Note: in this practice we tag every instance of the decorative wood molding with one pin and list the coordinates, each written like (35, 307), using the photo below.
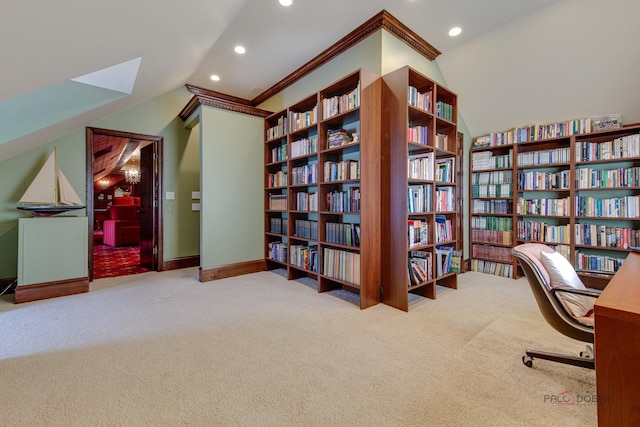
(231, 270)
(40, 291)
(404, 33)
(183, 262)
(215, 99)
(381, 20)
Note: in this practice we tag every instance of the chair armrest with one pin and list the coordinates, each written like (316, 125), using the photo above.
(586, 292)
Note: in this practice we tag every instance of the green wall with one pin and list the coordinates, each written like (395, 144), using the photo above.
(158, 116)
(232, 183)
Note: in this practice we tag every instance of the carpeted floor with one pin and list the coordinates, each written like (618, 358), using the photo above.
(162, 349)
(112, 262)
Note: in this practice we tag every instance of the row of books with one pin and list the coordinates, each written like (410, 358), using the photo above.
(542, 232)
(340, 103)
(606, 237)
(420, 100)
(419, 198)
(421, 166)
(278, 179)
(306, 229)
(544, 157)
(536, 180)
(418, 134)
(306, 201)
(342, 265)
(492, 190)
(304, 257)
(342, 233)
(611, 178)
(620, 148)
(344, 201)
(278, 202)
(277, 251)
(304, 147)
(496, 237)
(279, 225)
(491, 252)
(279, 153)
(278, 130)
(443, 229)
(342, 170)
(534, 133)
(417, 233)
(445, 262)
(615, 207)
(302, 119)
(597, 263)
(504, 207)
(444, 110)
(445, 169)
(484, 160)
(547, 207)
(305, 174)
(420, 267)
(491, 267)
(492, 223)
(494, 177)
(445, 200)
(442, 141)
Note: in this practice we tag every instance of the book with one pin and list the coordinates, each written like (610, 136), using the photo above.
(456, 261)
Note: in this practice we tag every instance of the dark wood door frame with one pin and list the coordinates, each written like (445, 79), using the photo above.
(157, 174)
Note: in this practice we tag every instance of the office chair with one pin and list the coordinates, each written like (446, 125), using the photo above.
(565, 304)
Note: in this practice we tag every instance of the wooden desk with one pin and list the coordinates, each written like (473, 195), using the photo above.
(617, 347)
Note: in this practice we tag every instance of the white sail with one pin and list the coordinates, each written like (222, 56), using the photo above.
(68, 195)
(43, 189)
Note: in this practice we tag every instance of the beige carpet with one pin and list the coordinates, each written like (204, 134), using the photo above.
(162, 349)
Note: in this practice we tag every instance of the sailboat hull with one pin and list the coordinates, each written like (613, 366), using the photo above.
(49, 210)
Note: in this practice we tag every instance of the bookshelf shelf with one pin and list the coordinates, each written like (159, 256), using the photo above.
(421, 145)
(334, 128)
(576, 168)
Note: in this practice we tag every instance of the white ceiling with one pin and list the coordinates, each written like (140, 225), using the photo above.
(185, 42)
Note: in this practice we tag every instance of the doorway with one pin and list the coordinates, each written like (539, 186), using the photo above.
(124, 176)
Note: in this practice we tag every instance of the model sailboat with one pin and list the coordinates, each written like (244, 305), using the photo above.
(50, 193)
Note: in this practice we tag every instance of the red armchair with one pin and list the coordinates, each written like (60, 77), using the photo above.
(123, 227)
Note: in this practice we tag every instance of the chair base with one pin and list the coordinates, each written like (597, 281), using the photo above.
(585, 360)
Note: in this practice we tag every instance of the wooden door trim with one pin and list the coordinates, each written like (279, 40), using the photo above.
(159, 141)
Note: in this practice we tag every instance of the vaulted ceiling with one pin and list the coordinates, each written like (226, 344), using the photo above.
(516, 62)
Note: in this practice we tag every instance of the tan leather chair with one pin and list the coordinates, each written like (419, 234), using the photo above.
(555, 308)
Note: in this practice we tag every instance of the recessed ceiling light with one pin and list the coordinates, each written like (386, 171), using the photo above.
(286, 2)
(215, 77)
(455, 31)
(240, 50)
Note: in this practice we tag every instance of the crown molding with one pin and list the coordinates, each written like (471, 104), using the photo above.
(211, 98)
(382, 20)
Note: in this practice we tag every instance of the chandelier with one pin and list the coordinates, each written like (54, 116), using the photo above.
(132, 176)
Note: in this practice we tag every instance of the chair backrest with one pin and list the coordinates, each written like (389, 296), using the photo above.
(552, 309)
(123, 212)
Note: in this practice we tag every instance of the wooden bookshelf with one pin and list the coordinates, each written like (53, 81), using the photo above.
(333, 215)
(577, 192)
(420, 139)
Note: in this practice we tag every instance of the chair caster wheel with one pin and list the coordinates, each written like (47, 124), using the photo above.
(527, 360)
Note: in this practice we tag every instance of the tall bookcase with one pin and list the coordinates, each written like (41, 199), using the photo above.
(424, 204)
(575, 190)
(328, 224)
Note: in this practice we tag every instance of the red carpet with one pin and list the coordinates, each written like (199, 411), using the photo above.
(112, 262)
